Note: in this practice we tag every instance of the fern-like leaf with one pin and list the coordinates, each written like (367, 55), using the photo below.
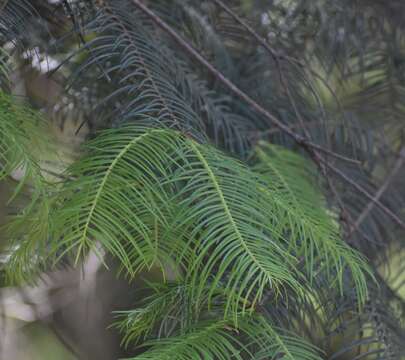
(119, 176)
(191, 205)
(313, 232)
(233, 232)
(21, 145)
(254, 339)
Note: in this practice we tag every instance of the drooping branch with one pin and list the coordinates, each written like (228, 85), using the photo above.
(303, 142)
(315, 155)
(274, 54)
(300, 140)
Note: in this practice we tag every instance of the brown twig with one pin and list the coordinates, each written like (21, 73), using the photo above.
(345, 215)
(273, 53)
(276, 57)
(398, 165)
(300, 140)
(252, 32)
(361, 190)
(316, 157)
(275, 130)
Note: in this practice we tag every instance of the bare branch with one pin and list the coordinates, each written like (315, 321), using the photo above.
(398, 165)
(364, 192)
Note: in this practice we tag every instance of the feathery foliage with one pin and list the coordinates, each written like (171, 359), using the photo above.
(312, 230)
(242, 145)
(193, 206)
(216, 340)
(22, 141)
(181, 333)
(20, 131)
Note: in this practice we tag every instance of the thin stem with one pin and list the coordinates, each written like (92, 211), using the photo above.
(360, 189)
(398, 165)
(300, 140)
(315, 156)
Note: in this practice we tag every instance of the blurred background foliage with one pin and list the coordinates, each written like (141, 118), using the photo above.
(332, 70)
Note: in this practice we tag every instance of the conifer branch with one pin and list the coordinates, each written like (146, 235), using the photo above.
(300, 140)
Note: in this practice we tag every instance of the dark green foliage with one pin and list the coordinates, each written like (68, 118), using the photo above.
(275, 245)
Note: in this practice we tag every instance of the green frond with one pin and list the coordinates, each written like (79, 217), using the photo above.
(312, 230)
(151, 79)
(254, 338)
(144, 82)
(22, 141)
(210, 340)
(281, 343)
(256, 251)
(28, 232)
(120, 175)
(21, 131)
(168, 308)
(167, 314)
(232, 233)
(193, 206)
(165, 181)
